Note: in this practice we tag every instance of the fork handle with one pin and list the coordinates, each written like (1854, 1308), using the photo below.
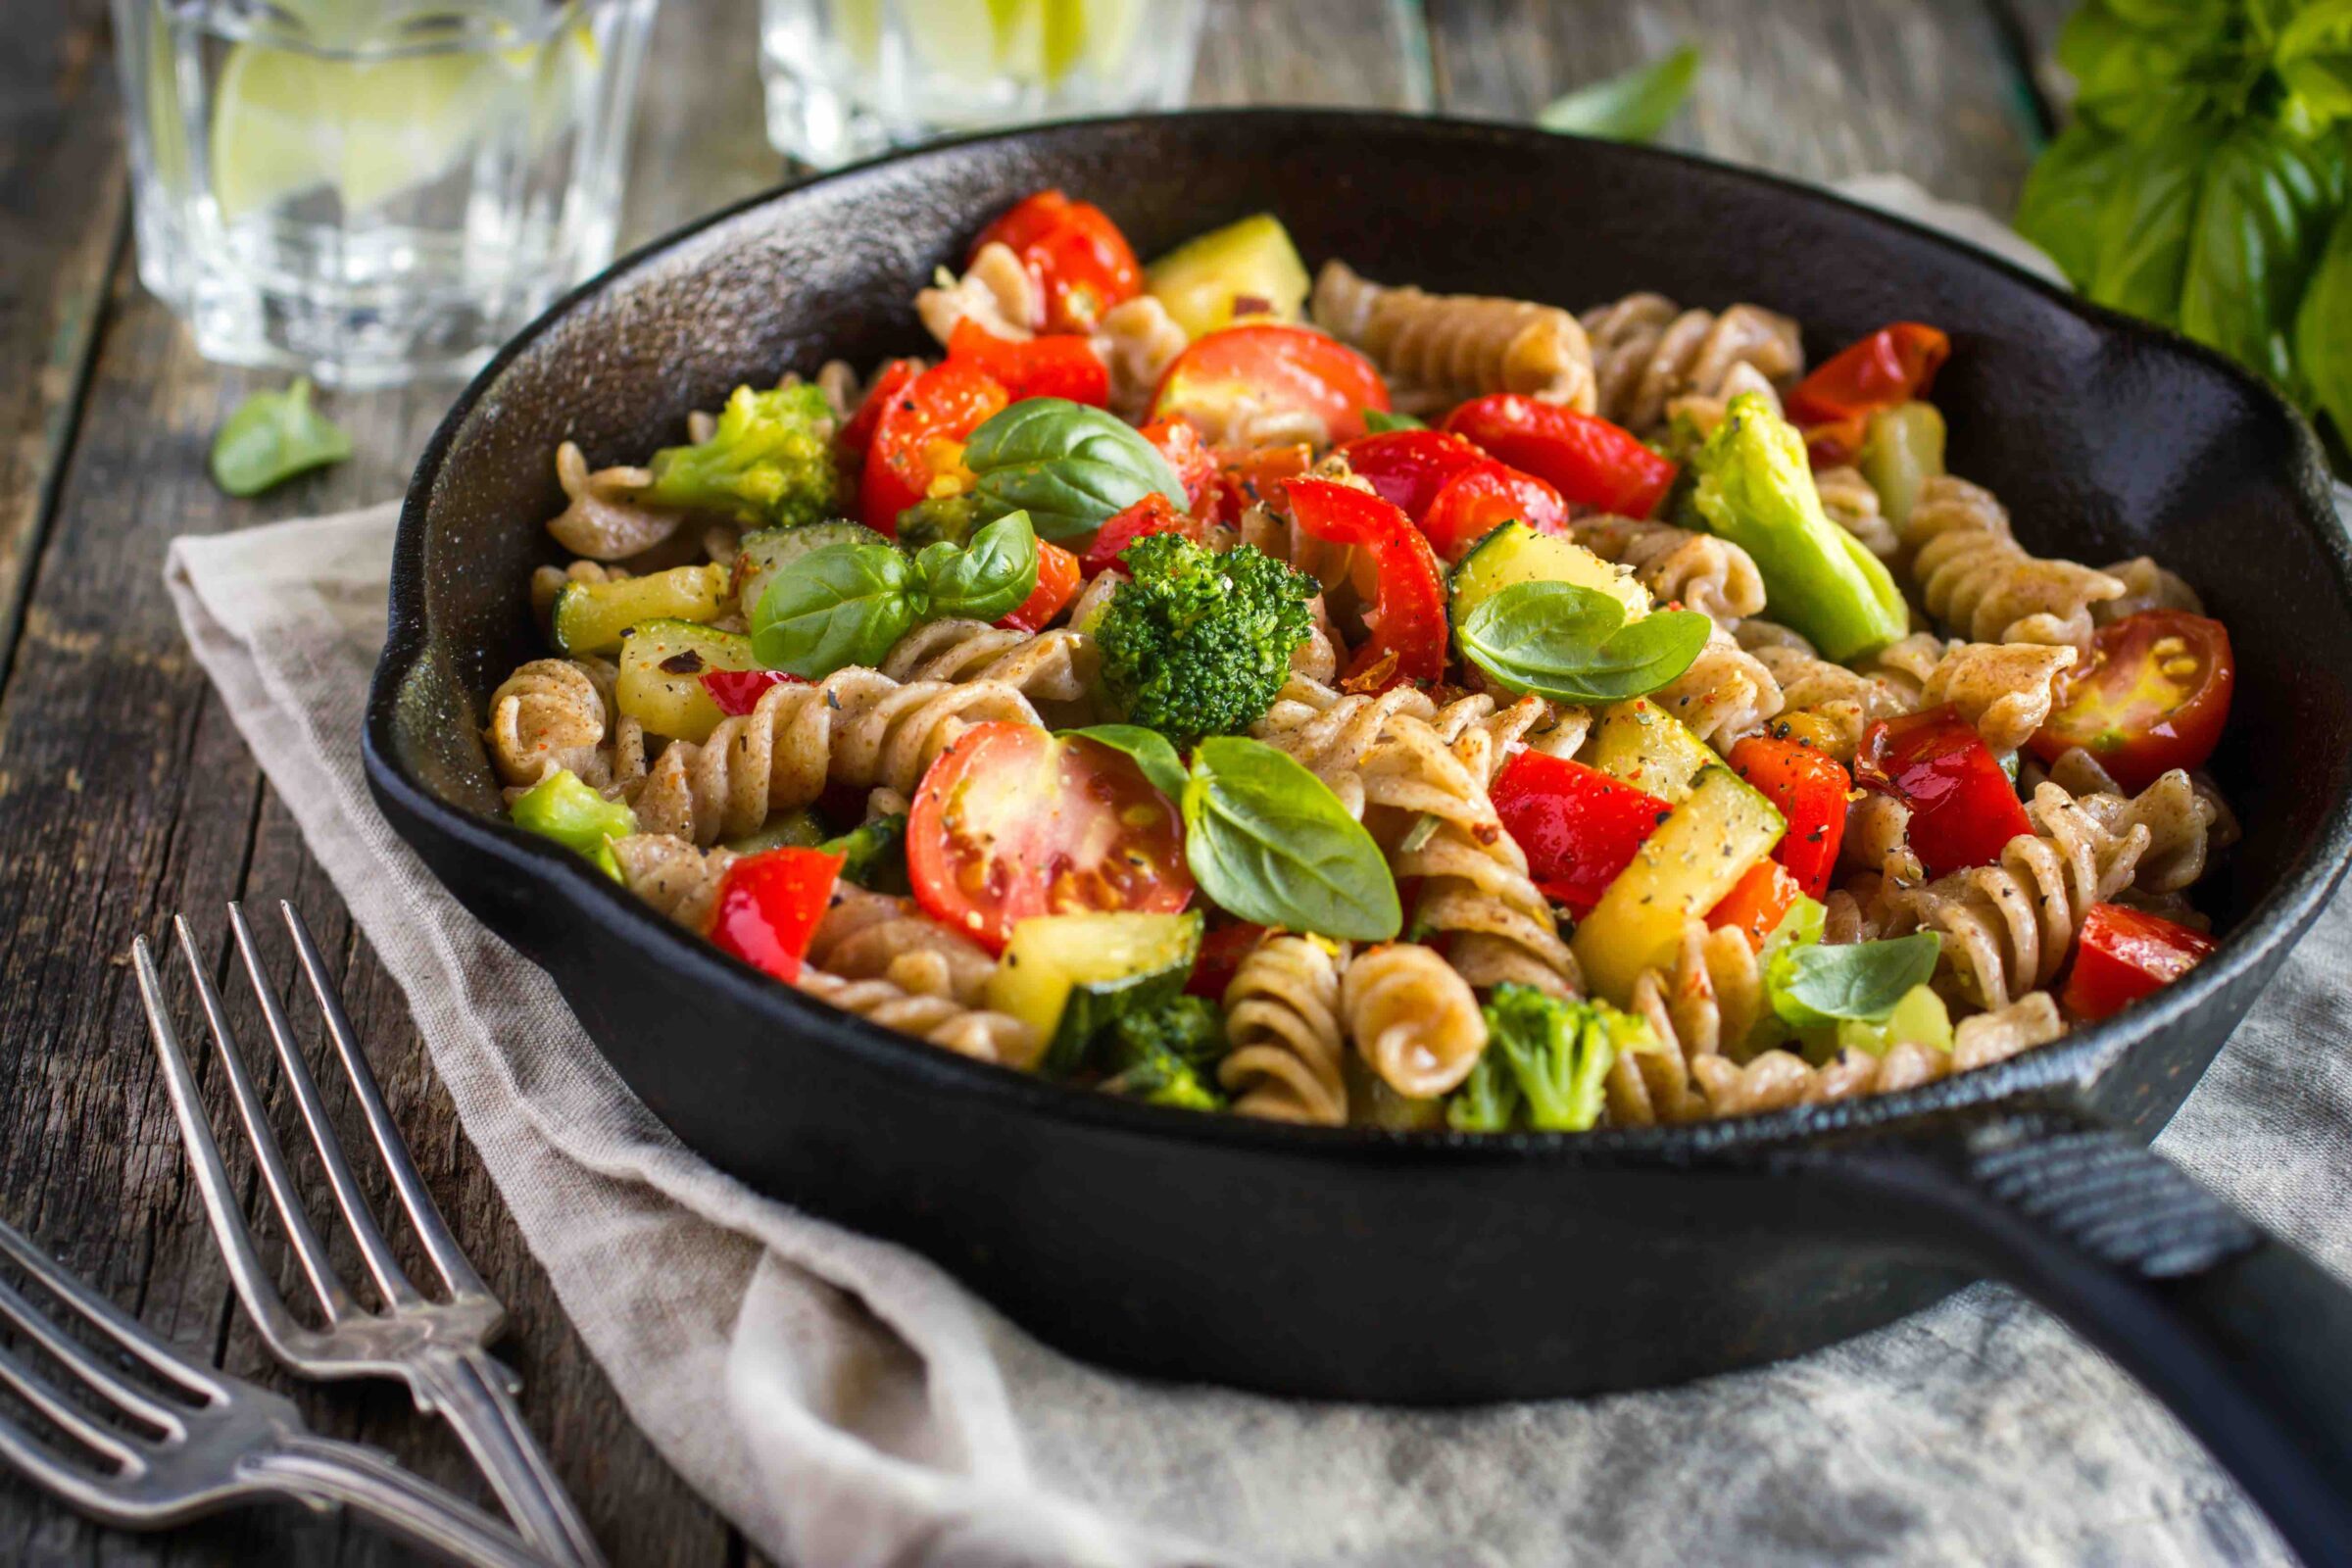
(322, 1470)
(472, 1390)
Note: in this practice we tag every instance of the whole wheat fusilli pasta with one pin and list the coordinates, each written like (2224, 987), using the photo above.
(1282, 1017)
(603, 519)
(870, 936)
(1724, 694)
(1138, 340)
(967, 1031)
(1698, 570)
(673, 876)
(1413, 1018)
(996, 291)
(1976, 579)
(1648, 351)
(1437, 349)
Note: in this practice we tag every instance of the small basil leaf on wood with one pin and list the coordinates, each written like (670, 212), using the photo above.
(1378, 421)
(1631, 106)
(986, 579)
(1814, 986)
(839, 606)
(1070, 466)
(1270, 842)
(1573, 644)
(1151, 750)
(273, 436)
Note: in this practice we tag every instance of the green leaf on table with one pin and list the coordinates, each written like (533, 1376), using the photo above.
(1070, 466)
(273, 436)
(836, 607)
(1631, 106)
(1148, 749)
(2323, 330)
(1267, 841)
(1574, 645)
(1813, 986)
(2269, 199)
(986, 579)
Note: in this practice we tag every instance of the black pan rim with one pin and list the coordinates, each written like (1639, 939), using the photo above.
(2055, 1073)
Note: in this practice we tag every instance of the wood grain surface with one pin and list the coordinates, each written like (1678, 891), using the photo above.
(126, 794)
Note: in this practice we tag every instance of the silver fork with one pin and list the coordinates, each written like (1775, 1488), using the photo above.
(437, 1347)
(145, 1459)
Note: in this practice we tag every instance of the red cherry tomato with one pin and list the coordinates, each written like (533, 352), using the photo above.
(919, 440)
(1756, 902)
(768, 906)
(1963, 806)
(1481, 499)
(856, 435)
(1810, 788)
(1081, 261)
(2124, 954)
(1408, 468)
(1041, 368)
(1272, 367)
(1056, 585)
(1222, 950)
(1588, 461)
(1895, 364)
(738, 691)
(2154, 696)
(1579, 826)
(1194, 463)
(1155, 513)
(1408, 618)
(1012, 822)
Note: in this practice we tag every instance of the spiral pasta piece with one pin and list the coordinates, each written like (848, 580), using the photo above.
(1413, 1018)
(550, 717)
(1852, 504)
(1711, 996)
(677, 879)
(872, 936)
(1437, 349)
(1138, 340)
(977, 1033)
(1842, 703)
(2186, 822)
(1049, 667)
(2006, 690)
(2146, 586)
(844, 388)
(1976, 579)
(1647, 352)
(602, 517)
(1698, 570)
(1282, 1017)
(996, 291)
(1724, 694)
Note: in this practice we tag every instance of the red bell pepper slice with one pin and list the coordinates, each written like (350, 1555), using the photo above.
(857, 433)
(1481, 499)
(1408, 468)
(1041, 368)
(1577, 826)
(1963, 806)
(1057, 578)
(1179, 441)
(770, 905)
(919, 440)
(1408, 618)
(1248, 477)
(1756, 902)
(1591, 462)
(1220, 957)
(738, 691)
(1895, 364)
(1150, 515)
(1810, 788)
(2124, 954)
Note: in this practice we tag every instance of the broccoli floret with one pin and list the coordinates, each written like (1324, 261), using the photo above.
(561, 807)
(1487, 1101)
(1163, 1056)
(875, 855)
(770, 460)
(940, 519)
(1199, 643)
(1560, 1051)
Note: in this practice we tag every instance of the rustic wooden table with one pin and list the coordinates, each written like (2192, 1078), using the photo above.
(126, 794)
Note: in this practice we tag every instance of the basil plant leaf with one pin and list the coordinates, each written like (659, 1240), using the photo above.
(2313, 59)
(2323, 330)
(1380, 422)
(2269, 198)
(1070, 466)
(273, 436)
(1815, 986)
(2145, 224)
(1573, 644)
(1151, 751)
(1268, 841)
(986, 579)
(2065, 193)
(1631, 106)
(836, 607)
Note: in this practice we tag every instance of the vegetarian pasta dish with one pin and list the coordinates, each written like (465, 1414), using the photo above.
(1323, 700)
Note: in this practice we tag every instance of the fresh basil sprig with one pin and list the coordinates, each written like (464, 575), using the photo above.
(273, 436)
(1270, 842)
(1574, 645)
(1148, 748)
(1069, 466)
(1812, 985)
(850, 603)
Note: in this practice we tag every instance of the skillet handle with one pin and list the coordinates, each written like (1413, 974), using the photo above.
(2246, 1338)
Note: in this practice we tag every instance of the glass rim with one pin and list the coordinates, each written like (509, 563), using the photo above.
(455, 27)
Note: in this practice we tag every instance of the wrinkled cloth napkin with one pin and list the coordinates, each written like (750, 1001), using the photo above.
(848, 1404)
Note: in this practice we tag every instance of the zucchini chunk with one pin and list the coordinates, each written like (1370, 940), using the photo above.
(1071, 976)
(771, 550)
(589, 617)
(1515, 553)
(1651, 750)
(661, 663)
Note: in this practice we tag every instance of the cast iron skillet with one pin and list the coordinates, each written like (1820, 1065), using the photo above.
(1432, 1268)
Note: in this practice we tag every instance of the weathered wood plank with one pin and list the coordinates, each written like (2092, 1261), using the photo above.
(1355, 53)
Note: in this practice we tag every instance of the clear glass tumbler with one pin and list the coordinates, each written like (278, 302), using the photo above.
(847, 79)
(374, 191)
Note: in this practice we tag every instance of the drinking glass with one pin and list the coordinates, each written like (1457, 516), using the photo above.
(847, 79)
(372, 191)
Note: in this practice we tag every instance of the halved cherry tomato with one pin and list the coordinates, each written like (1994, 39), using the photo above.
(1081, 261)
(1894, 365)
(1408, 468)
(1272, 367)
(1248, 477)
(1042, 367)
(1963, 806)
(1810, 788)
(1483, 497)
(736, 692)
(1194, 463)
(1407, 617)
(2125, 955)
(1577, 826)
(1222, 950)
(1756, 902)
(856, 435)
(917, 446)
(1588, 461)
(1011, 822)
(1058, 578)
(770, 905)
(1155, 513)
(2154, 696)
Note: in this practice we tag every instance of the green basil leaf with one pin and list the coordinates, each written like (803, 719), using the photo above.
(1268, 841)
(2141, 65)
(1071, 467)
(2068, 187)
(1574, 645)
(1814, 986)
(2262, 224)
(2313, 59)
(2145, 226)
(1151, 751)
(984, 581)
(2323, 330)
(271, 437)
(1631, 106)
(836, 607)
(1378, 421)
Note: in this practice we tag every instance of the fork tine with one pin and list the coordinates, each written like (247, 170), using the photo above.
(38, 1327)
(131, 1336)
(375, 1251)
(79, 1484)
(39, 1392)
(456, 1272)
